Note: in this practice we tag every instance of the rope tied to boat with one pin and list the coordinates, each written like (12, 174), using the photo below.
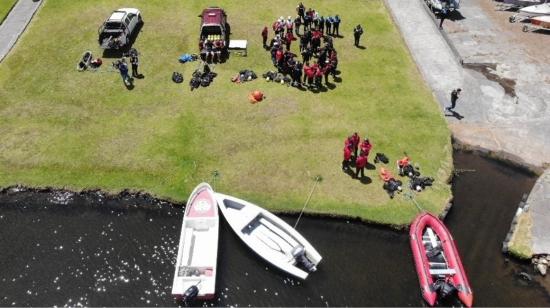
(317, 180)
(410, 195)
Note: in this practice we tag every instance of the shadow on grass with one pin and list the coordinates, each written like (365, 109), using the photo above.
(331, 86)
(361, 47)
(370, 166)
(337, 79)
(365, 180)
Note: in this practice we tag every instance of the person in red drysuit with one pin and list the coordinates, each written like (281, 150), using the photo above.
(360, 164)
(347, 158)
(355, 142)
(309, 72)
(366, 146)
(264, 37)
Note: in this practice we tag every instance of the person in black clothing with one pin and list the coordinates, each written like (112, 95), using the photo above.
(134, 60)
(357, 32)
(301, 10)
(306, 54)
(336, 26)
(321, 24)
(454, 97)
(442, 16)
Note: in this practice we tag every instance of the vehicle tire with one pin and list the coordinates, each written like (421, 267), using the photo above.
(525, 28)
(140, 20)
(512, 19)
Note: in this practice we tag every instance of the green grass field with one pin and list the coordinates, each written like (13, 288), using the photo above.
(5, 7)
(62, 128)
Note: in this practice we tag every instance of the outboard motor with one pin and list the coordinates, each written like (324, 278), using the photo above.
(444, 288)
(299, 253)
(190, 294)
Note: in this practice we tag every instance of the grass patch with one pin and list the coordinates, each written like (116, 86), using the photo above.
(5, 7)
(520, 244)
(76, 130)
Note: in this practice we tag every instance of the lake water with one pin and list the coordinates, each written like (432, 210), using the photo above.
(60, 248)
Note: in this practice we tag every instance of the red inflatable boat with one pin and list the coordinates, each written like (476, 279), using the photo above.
(437, 261)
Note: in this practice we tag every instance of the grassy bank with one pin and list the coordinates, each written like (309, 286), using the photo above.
(5, 7)
(62, 128)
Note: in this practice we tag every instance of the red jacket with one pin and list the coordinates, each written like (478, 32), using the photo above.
(309, 71)
(361, 161)
(278, 55)
(347, 153)
(366, 147)
(403, 162)
(319, 72)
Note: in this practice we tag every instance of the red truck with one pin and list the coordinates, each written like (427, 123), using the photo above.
(214, 34)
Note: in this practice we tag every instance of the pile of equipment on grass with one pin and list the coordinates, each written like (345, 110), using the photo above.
(381, 157)
(277, 77)
(244, 76)
(87, 61)
(417, 182)
(391, 184)
(202, 77)
(177, 77)
(188, 58)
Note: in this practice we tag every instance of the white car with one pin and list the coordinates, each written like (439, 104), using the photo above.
(117, 31)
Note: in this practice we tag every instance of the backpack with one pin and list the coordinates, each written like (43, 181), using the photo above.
(177, 77)
(381, 157)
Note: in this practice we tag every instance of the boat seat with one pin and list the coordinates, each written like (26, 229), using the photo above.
(447, 271)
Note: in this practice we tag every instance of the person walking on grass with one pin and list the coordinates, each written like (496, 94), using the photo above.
(454, 97)
(357, 32)
(123, 68)
(442, 17)
(264, 37)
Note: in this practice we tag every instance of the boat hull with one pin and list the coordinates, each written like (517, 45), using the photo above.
(536, 10)
(267, 235)
(542, 21)
(196, 263)
(422, 264)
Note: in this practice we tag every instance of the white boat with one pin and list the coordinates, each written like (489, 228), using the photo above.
(536, 10)
(531, 11)
(538, 23)
(269, 236)
(195, 274)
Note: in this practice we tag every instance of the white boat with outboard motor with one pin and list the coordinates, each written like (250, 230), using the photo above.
(269, 236)
(195, 274)
(531, 11)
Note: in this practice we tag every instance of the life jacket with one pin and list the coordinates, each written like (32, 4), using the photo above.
(385, 175)
(403, 162)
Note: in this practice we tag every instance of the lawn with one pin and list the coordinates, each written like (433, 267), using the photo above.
(5, 7)
(62, 128)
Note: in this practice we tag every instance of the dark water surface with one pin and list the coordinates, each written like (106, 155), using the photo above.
(70, 249)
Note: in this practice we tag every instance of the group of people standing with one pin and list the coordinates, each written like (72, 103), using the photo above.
(353, 145)
(319, 57)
